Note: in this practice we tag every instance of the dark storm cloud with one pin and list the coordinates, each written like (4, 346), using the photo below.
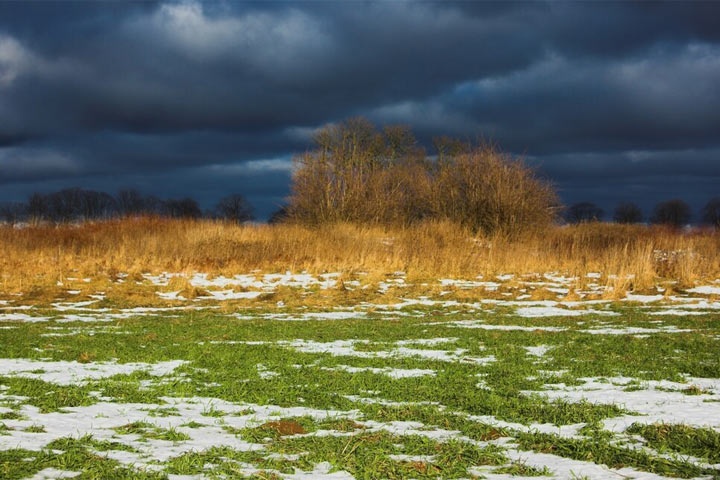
(667, 100)
(97, 94)
(181, 68)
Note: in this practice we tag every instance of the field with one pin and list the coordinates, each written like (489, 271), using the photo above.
(387, 364)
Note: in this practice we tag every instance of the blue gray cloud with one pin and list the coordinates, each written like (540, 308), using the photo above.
(207, 99)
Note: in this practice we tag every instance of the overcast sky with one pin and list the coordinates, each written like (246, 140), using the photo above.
(615, 101)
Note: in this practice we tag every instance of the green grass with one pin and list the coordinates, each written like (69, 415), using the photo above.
(446, 421)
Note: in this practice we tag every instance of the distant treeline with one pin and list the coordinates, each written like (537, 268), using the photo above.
(675, 213)
(360, 174)
(77, 204)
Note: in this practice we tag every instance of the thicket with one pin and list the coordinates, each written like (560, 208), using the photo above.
(360, 174)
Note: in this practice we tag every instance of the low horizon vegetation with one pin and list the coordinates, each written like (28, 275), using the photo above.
(359, 173)
(367, 200)
(630, 257)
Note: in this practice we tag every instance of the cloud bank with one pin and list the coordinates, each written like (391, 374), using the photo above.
(613, 101)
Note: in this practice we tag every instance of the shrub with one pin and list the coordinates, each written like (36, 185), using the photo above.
(628, 213)
(234, 208)
(711, 212)
(674, 213)
(183, 208)
(584, 212)
(489, 191)
(359, 174)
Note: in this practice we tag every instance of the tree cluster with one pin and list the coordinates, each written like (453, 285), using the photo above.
(675, 213)
(77, 204)
(357, 173)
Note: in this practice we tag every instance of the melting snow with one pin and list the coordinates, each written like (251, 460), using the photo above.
(53, 474)
(538, 351)
(390, 372)
(485, 326)
(21, 317)
(69, 373)
(651, 399)
(705, 290)
(635, 330)
(535, 312)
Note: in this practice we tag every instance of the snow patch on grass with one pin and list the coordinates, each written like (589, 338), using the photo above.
(390, 372)
(705, 290)
(635, 330)
(537, 312)
(70, 373)
(53, 474)
(485, 326)
(692, 403)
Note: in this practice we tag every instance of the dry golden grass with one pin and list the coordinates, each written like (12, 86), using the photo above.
(629, 257)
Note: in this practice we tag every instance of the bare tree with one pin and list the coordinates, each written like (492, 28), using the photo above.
(132, 202)
(72, 204)
(584, 212)
(711, 212)
(278, 216)
(234, 208)
(183, 208)
(628, 213)
(12, 212)
(95, 205)
(449, 147)
(38, 207)
(675, 213)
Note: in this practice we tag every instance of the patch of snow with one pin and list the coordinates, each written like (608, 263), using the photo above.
(221, 295)
(466, 284)
(347, 348)
(21, 317)
(70, 373)
(101, 419)
(171, 295)
(635, 330)
(539, 350)
(643, 298)
(678, 312)
(535, 312)
(484, 326)
(427, 341)
(650, 399)
(705, 290)
(264, 372)
(390, 372)
(53, 474)
(563, 467)
(63, 306)
(413, 458)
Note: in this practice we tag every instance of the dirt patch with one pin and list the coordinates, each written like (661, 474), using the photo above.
(284, 427)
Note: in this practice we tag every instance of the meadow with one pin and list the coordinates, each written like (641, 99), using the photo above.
(154, 348)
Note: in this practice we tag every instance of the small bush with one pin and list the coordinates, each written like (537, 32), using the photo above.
(584, 212)
(674, 213)
(711, 212)
(628, 213)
